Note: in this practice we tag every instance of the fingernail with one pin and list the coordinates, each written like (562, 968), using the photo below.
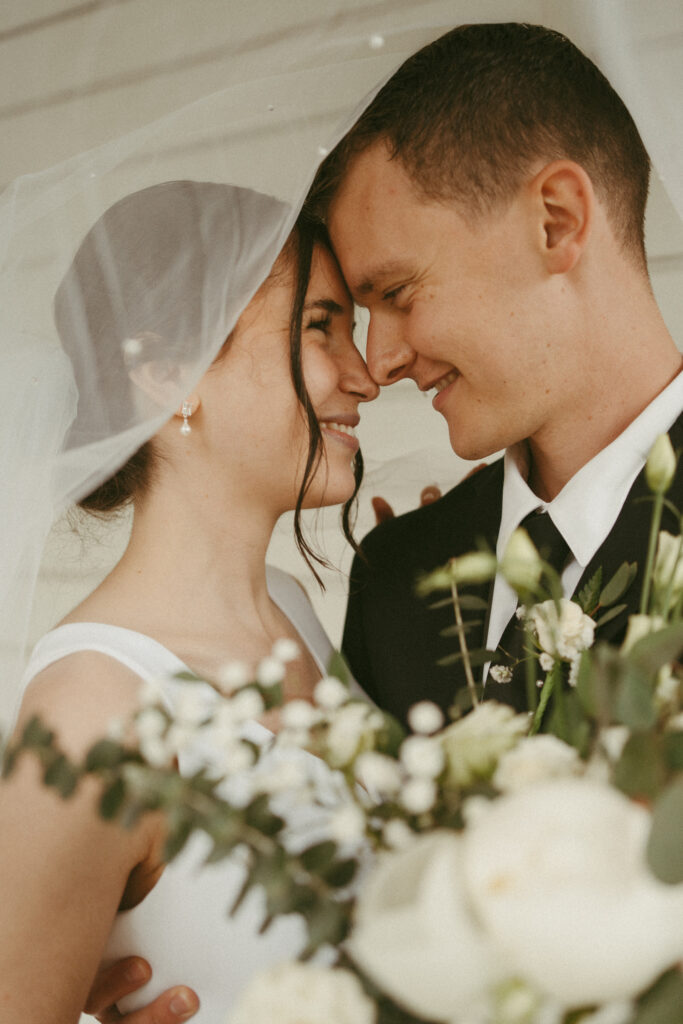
(137, 972)
(182, 1005)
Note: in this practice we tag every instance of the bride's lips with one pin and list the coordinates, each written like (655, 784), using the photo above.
(341, 428)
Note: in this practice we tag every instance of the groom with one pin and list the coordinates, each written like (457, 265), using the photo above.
(488, 210)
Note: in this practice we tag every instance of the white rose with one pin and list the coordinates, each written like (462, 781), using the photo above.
(564, 635)
(534, 759)
(473, 745)
(557, 875)
(415, 934)
(295, 993)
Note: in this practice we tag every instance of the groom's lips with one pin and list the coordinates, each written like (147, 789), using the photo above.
(444, 385)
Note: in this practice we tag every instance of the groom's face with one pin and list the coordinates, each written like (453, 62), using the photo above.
(457, 303)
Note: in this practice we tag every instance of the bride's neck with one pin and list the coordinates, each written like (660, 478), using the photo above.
(196, 561)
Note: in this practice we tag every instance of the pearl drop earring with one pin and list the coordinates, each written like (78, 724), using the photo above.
(186, 412)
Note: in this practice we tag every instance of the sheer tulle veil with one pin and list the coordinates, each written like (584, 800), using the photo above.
(68, 419)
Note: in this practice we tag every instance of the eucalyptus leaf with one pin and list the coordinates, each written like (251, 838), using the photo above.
(673, 750)
(662, 1004)
(619, 584)
(479, 657)
(612, 613)
(389, 738)
(341, 874)
(328, 922)
(635, 705)
(471, 603)
(338, 667)
(112, 799)
(588, 596)
(456, 630)
(62, 775)
(176, 841)
(36, 734)
(105, 754)
(665, 845)
(443, 603)
(657, 649)
(317, 858)
(640, 771)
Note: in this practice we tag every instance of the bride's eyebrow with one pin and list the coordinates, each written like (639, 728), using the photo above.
(326, 305)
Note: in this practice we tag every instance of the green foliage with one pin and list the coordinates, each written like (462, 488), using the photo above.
(665, 845)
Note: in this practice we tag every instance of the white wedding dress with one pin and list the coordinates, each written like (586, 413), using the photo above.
(182, 926)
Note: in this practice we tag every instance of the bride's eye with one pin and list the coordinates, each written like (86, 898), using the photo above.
(320, 324)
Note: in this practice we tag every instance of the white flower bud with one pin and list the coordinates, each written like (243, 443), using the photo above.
(151, 692)
(379, 773)
(330, 693)
(299, 714)
(270, 671)
(425, 717)
(155, 751)
(397, 834)
(474, 567)
(521, 564)
(233, 675)
(418, 796)
(347, 825)
(286, 650)
(422, 757)
(150, 724)
(500, 673)
(190, 705)
(246, 704)
(546, 661)
(660, 467)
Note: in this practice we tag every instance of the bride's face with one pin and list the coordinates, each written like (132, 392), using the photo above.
(249, 405)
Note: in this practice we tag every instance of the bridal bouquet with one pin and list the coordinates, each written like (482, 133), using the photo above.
(498, 868)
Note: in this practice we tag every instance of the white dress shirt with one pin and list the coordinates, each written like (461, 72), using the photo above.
(588, 505)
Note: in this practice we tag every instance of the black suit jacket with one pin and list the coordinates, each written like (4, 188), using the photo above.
(392, 637)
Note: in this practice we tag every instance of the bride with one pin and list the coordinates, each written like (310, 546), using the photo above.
(268, 428)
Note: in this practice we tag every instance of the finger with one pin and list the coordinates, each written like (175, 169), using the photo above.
(430, 494)
(171, 1007)
(115, 981)
(382, 510)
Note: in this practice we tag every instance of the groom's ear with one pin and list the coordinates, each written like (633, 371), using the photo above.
(564, 198)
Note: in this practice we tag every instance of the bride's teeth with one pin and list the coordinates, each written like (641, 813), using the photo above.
(341, 427)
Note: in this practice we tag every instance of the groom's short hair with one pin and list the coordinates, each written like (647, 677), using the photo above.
(469, 114)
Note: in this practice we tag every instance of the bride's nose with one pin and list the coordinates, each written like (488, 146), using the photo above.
(355, 378)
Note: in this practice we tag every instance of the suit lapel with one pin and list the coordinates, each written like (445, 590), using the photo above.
(628, 541)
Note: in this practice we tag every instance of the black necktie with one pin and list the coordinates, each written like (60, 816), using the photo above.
(553, 549)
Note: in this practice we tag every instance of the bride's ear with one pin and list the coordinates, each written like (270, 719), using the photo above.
(163, 383)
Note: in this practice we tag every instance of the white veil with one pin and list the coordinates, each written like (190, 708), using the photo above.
(285, 94)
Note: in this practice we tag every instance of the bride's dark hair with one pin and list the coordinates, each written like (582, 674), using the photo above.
(147, 249)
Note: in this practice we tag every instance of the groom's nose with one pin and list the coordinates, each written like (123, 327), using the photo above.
(388, 355)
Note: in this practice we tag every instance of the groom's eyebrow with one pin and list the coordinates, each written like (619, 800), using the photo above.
(374, 277)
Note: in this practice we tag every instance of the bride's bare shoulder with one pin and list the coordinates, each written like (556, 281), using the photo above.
(79, 696)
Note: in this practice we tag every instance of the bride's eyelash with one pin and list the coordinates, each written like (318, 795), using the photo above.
(320, 324)
(393, 292)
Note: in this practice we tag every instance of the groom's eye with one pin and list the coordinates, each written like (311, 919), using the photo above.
(392, 293)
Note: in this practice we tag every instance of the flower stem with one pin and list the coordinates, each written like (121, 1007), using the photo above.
(652, 547)
(469, 675)
(548, 687)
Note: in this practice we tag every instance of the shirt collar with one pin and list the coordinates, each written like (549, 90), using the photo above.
(588, 505)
